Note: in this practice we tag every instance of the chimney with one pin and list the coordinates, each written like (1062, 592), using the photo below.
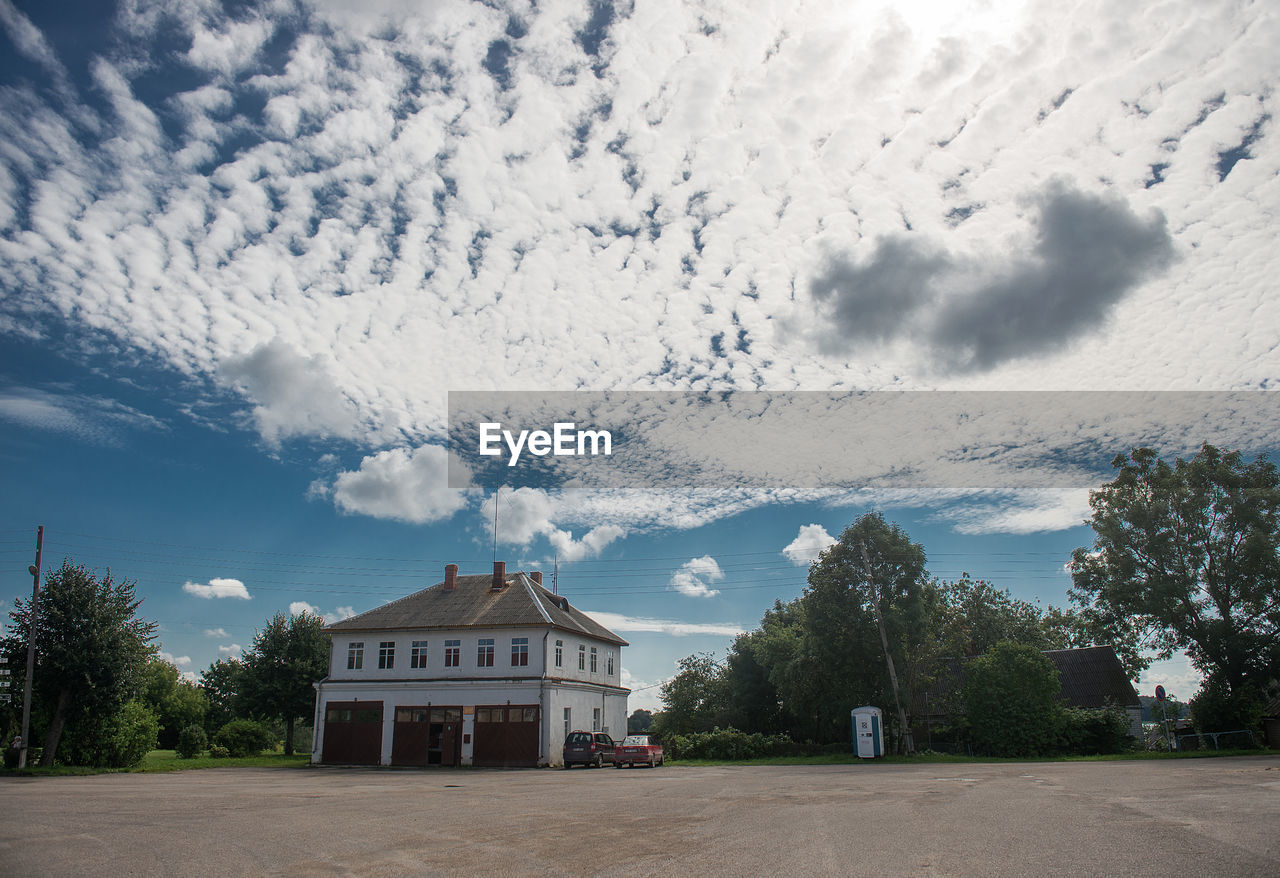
(499, 575)
(450, 577)
(536, 576)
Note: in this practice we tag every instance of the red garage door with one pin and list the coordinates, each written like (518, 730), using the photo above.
(506, 736)
(352, 733)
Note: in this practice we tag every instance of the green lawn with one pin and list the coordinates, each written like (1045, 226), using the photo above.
(167, 760)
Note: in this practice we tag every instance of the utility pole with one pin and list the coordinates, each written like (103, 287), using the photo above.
(31, 649)
(907, 742)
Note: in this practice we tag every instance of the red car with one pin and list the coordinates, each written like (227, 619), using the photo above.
(638, 750)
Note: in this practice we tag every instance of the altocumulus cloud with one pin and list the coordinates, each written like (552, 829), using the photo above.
(218, 588)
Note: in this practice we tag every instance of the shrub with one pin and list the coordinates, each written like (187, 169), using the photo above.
(217, 751)
(1216, 708)
(727, 744)
(191, 741)
(1011, 701)
(244, 737)
(117, 740)
(1101, 730)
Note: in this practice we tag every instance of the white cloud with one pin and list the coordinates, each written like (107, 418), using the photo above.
(622, 624)
(230, 651)
(1025, 512)
(694, 575)
(401, 484)
(808, 544)
(297, 608)
(181, 661)
(527, 513)
(216, 632)
(92, 419)
(218, 588)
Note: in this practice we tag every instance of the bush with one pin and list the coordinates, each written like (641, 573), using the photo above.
(118, 740)
(217, 751)
(191, 741)
(244, 737)
(1218, 709)
(1011, 701)
(1088, 732)
(728, 744)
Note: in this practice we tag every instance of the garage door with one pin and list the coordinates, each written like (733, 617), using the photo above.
(506, 736)
(427, 736)
(352, 733)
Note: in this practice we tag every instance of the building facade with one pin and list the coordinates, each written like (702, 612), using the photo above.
(475, 670)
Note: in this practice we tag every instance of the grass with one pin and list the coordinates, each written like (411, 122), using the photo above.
(945, 758)
(158, 761)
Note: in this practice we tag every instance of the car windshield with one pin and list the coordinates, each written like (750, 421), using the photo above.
(635, 740)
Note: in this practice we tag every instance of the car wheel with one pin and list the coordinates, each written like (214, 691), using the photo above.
(599, 761)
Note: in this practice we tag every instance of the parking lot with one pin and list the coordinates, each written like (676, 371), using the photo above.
(1187, 817)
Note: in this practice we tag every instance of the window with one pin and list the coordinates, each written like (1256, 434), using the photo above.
(559, 653)
(595, 719)
(418, 654)
(452, 653)
(519, 652)
(355, 656)
(568, 721)
(582, 658)
(595, 661)
(387, 654)
(609, 665)
(484, 653)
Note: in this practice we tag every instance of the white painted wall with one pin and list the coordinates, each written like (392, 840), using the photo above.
(469, 640)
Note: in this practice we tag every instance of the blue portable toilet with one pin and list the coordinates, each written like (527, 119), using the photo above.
(868, 731)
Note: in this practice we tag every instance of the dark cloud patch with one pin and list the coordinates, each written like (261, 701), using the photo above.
(497, 63)
(595, 32)
(1089, 252)
(873, 300)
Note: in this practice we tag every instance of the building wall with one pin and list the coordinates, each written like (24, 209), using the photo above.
(552, 698)
(542, 648)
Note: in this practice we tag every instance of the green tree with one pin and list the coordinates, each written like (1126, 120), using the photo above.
(1187, 556)
(1011, 701)
(220, 683)
(693, 699)
(639, 722)
(177, 703)
(288, 655)
(91, 649)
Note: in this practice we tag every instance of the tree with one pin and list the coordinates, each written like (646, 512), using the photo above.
(91, 650)
(1187, 556)
(177, 703)
(220, 683)
(287, 657)
(693, 698)
(1011, 701)
(639, 722)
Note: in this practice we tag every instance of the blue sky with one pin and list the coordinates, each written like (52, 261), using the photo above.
(246, 251)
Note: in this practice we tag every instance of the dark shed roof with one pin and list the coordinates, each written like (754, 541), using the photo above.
(1092, 676)
(473, 604)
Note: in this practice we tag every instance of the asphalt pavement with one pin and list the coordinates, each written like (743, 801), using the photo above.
(1217, 817)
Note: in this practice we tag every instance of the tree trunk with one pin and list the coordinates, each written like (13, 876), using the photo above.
(54, 735)
(288, 737)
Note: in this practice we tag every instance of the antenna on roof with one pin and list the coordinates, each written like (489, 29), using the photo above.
(555, 573)
(496, 492)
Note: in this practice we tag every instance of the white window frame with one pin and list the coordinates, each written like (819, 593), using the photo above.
(418, 654)
(355, 656)
(386, 655)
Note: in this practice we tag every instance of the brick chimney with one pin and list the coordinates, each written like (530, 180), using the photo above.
(499, 575)
(536, 576)
(450, 577)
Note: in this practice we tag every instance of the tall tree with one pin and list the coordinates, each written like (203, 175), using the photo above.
(1188, 557)
(91, 649)
(288, 655)
(693, 699)
(176, 702)
(220, 683)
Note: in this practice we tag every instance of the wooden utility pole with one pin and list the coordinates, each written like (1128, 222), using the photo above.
(31, 650)
(907, 742)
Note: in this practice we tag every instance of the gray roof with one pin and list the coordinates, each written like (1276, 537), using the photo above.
(522, 603)
(1092, 676)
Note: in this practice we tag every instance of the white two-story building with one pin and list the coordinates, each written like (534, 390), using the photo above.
(475, 670)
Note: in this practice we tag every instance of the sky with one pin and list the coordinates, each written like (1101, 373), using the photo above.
(253, 256)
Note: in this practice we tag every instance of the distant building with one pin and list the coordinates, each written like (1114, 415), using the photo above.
(475, 670)
(1094, 677)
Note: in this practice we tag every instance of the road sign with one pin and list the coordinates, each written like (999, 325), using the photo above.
(1159, 693)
